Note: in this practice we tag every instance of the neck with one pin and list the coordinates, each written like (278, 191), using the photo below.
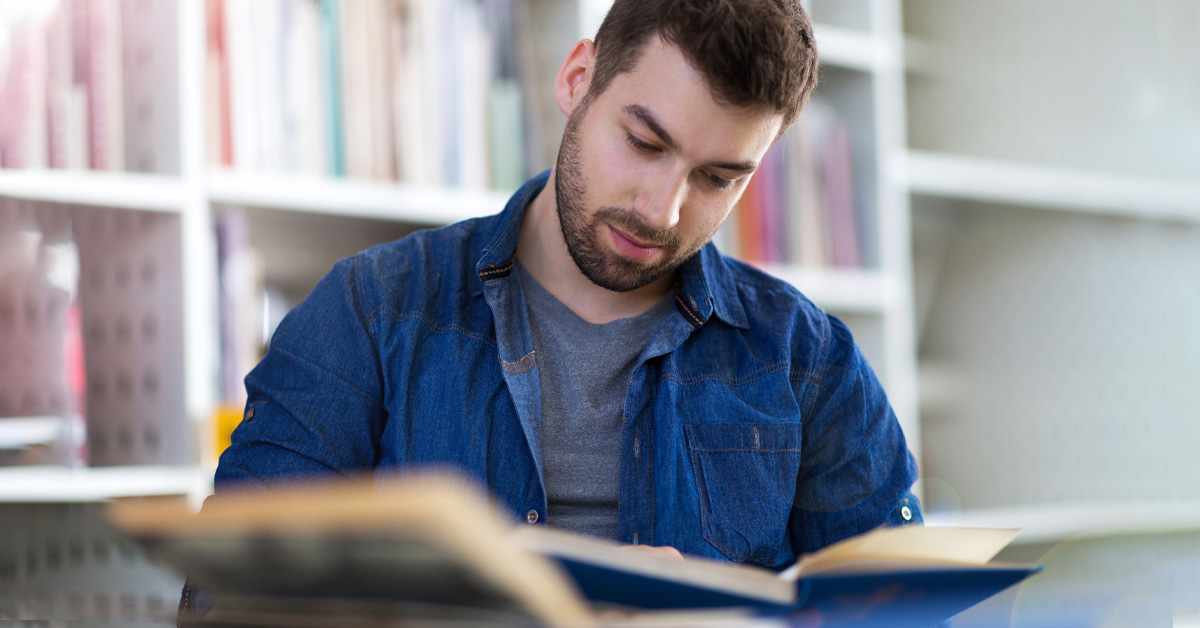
(544, 254)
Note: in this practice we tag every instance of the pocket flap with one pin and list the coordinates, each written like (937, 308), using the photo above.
(743, 436)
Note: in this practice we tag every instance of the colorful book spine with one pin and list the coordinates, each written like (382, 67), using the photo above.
(332, 72)
(801, 206)
(103, 71)
(839, 186)
(409, 90)
(218, 116)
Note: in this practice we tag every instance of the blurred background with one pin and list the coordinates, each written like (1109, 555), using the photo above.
(1002, 199)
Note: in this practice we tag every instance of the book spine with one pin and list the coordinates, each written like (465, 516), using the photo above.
(749, 221)
(38, 138)
(25, 138)
(379, 93)
(16, 132)
(269, 100)
(507, 147)
(79, 110)
(405, 107)
(355, 96)
(58, 87)
(164, 85)
(809, 207)
(138, 75)
(475, 77)
(218, 112)
(332, 66)
(291, 101)
(773, 206)
(305, 63)
(106, 111)
(843, 220)
(239, 29)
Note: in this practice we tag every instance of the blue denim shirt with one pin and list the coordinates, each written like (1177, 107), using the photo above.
(754, 430)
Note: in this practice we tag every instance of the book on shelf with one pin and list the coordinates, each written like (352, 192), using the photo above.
(432, 543)
(92, 84)
(150, 85)
(98, 48)
(383, 90)
(241, 288)
(23, 68)
(801, 206)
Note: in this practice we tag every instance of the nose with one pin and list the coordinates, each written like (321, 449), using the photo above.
(661, 200)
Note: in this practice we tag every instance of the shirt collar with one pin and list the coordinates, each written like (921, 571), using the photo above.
(500, 238)
(704, 285)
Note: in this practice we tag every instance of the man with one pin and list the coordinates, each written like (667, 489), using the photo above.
(586, 353)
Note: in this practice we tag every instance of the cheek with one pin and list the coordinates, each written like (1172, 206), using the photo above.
(705, 219)
(615, 165)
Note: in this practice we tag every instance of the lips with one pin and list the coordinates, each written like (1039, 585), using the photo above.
(632, 247)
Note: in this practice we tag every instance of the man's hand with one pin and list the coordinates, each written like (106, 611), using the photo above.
(665, 551)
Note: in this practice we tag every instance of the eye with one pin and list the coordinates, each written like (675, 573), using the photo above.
(720, 183)
(639, 145)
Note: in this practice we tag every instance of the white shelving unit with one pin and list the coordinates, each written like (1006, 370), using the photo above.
(878, 298)
(98, 189)
(845, 291)
(851, 49)
(1060, 522)
(994, 181)
(1060, 241)
(49, 484)
(353, 199)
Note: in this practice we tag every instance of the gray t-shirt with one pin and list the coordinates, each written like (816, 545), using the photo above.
(584, 370)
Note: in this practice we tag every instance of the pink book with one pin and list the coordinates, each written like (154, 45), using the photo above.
(839, 187)
(58, 89)
(106, 126)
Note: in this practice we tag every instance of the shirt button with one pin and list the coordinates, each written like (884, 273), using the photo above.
(637, 448)
(905, 512)
(531, 516)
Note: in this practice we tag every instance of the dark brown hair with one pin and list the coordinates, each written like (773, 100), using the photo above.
(750, 52)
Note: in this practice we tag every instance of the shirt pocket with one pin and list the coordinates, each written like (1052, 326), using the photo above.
(746, 482)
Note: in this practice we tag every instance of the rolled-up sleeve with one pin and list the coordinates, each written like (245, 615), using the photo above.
(856, 471)
(314, 403)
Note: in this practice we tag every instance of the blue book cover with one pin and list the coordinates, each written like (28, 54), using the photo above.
(917, 598)
(850, 585)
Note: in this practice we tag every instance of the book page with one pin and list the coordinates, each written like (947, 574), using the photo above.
(908, 545)
(748, 581)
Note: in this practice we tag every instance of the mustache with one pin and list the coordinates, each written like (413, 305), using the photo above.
(630, 222)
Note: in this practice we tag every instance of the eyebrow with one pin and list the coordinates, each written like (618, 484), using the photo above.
(648, 119)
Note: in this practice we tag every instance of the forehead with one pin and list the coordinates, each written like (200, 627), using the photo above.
(664, 83)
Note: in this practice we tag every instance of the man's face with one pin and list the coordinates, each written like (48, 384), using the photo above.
(650, 169)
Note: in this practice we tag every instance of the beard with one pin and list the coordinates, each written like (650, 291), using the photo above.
(586, 236)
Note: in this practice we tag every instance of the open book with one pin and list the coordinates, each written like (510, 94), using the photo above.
(432, 547)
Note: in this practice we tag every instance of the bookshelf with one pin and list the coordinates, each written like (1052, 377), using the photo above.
(861, 73)
(98, 189)
(1054, 241)
(50, 484)
(997, 181)
(1060, 522)
(346, 198)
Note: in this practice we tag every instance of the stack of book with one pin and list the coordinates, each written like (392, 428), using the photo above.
(420, 91)
(92, 84)
(801, 206)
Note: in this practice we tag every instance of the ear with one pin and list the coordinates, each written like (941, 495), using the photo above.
(575, 76)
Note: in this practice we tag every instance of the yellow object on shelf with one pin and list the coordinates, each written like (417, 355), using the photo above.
(225, 418)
